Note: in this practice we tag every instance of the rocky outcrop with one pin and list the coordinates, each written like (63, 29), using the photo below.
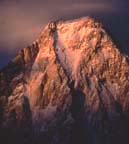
(70, 86)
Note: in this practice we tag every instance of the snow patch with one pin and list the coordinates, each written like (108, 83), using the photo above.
(67, 51)
(41, 117)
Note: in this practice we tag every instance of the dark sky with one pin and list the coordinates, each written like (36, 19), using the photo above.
(22, 21)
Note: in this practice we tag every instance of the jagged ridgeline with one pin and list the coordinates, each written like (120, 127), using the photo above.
(69, 87)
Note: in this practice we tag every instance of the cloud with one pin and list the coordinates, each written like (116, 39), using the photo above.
(22, 21)
(90, 7)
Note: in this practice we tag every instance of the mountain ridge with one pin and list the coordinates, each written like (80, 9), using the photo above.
(70, 86)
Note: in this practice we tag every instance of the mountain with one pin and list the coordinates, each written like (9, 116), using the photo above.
(71, 86)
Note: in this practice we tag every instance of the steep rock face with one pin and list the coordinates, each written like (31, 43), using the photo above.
(70, 86)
